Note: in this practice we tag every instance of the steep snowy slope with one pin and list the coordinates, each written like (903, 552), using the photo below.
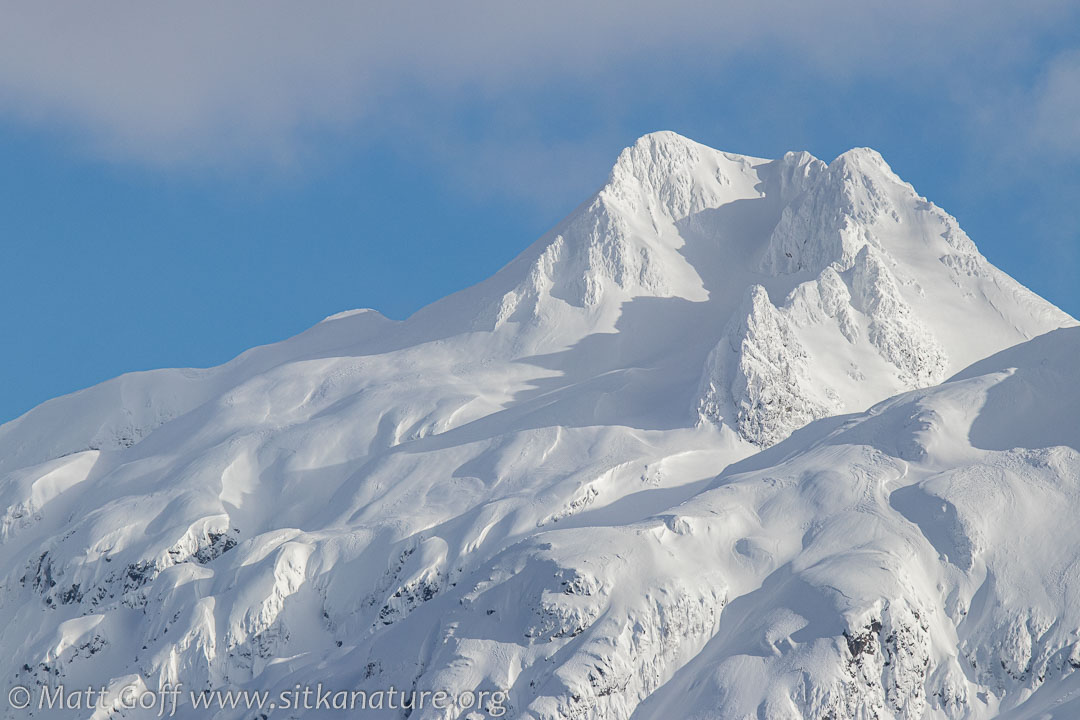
(473, 498)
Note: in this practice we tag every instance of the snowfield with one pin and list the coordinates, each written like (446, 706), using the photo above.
(739, 438)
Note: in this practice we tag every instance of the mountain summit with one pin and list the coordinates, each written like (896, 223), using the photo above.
(821, 288)
(562, 482)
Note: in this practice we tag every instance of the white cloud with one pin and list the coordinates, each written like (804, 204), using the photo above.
(204, 82)
(1055, 107)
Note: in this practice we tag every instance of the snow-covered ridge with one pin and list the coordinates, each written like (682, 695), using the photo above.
(896, 297)
(551, 483)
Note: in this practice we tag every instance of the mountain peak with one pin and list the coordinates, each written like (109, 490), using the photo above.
(659, 144)
(864, 159)
(849, 274)
(626, 241)
(856, 200)
(663, 138)
(666, 174)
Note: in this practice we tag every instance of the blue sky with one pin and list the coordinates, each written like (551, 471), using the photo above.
(175, 189)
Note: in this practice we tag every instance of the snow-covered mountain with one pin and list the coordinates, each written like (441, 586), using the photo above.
(620, 476)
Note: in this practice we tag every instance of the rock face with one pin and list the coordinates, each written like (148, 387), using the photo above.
(881, 280)
(760, 377)
(611, 480)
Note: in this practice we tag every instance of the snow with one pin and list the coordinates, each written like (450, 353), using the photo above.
(741, 437)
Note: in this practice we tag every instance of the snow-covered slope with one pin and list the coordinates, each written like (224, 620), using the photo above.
(477, 497)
